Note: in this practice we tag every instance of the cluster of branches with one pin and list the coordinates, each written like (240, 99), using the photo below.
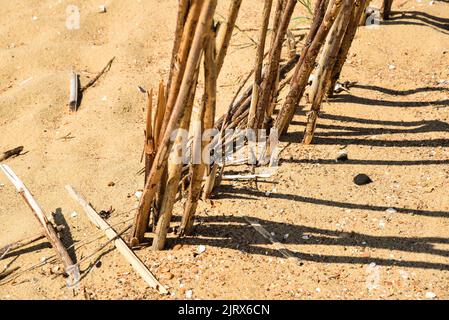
(198, 39)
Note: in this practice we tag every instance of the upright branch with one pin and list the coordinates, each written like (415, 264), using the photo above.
(183, 10)
(385, 10)
(225, 33)
(317, 34)
(280, 7)
(159, 114)
(160, 161)
(180, 65)
(149, 148)
(259, 63)
(269, 80)
(351, 31)
(203, 122)
(327, 62)
(174, 172)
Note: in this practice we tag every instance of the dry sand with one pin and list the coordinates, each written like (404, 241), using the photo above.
(394, 125)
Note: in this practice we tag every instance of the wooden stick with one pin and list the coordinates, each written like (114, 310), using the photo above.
(327, 62)
(359, 7)
(385, 10)
(268, 84)
(95, 79)
(74, 91)
(258, 63)
(160, 161)
(318, 33)
(205, 120)
(121, 246)
(180, 66)
(11, 153)
(297, 86)
(174, 175)
(225, 33)
(364, 15)
(20, 244)
(192, 14)
(150, 149)
(280, 7)
(159, 117)
(48, 228)
(6, 273)
(183, 10)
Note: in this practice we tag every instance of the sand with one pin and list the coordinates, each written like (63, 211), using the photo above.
(394, 125)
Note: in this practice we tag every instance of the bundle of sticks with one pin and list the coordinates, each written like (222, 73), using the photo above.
(196, 36)
(332, 32)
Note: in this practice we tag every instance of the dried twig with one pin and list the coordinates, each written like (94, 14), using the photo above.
(20, 244)
(325, 14)
(327, 63)
(204, 121)
(11, 153)
(121, 246)
(95, 79)
(48, 228)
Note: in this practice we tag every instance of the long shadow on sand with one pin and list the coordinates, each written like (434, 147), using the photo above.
(235, 233)
(419, 19)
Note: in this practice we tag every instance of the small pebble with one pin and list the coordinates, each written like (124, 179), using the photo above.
(102, 8)
(342, 157)
(201, 248)
(391, 210)
(74, 214)
(111, 184)
(430, 295)
(362, 179)
(189, 294)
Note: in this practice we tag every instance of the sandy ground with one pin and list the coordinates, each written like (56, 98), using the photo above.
(394, 125)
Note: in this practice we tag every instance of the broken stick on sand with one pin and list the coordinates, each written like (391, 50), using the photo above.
(11, 153)
(121, 246)
(277, 245)
(48, 228)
